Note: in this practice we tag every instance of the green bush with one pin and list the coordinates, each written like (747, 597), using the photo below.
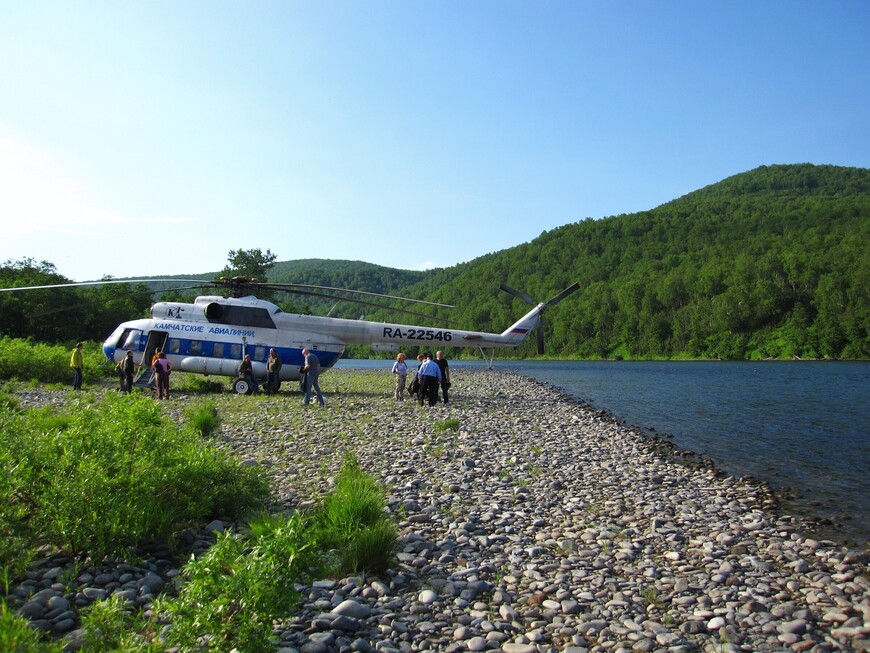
(24, 360)
(233, 593)
(101, 478)
(110, 625)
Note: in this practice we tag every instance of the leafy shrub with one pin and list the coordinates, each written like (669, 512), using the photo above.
(447, 425)
(234, 592)
(25, 360)
(110, 625)
(8, 401)
(105, 477)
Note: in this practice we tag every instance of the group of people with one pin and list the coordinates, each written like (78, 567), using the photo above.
(309, 381)
(162, 367)
(126, 369)
(160, 364)
(430, 375)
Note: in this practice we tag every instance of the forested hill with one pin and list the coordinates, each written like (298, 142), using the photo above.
(344, 274)
(774, 262)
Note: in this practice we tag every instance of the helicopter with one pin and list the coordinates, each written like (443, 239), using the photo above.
(212, 334)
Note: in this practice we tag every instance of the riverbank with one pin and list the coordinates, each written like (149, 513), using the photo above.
(539, 524)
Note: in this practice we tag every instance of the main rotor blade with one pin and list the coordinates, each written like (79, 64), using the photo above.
(517, 294)
(288, 287)
(314, 293)
(62, 309)
(562, 295)
(105, 282)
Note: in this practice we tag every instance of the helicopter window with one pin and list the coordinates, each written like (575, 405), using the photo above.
(130, 338)
(218, 351)
(243, 316)
(174, 346)
(235, 351)
(196, 347)
(259, 354)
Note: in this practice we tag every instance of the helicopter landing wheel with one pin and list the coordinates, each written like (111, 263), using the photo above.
(242, 387)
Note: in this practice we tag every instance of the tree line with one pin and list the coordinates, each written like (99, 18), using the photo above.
(770, 263)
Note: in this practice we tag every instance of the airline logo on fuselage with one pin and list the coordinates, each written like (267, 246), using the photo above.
(200, 328)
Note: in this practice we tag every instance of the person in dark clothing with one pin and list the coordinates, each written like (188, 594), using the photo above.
(445, 373)
(128, 368)
(246, 371)
(273, 368)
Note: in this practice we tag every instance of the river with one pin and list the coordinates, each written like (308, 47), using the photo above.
(802, 427)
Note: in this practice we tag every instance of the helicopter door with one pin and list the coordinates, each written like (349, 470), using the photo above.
(156, 340)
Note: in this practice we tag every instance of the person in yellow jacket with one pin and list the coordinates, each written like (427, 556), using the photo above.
(76, 361)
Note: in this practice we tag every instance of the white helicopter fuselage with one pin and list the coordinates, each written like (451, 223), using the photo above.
(212, 335)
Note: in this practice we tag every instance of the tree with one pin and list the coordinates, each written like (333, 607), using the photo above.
(31, 313)
(58, 315)
(249, 263)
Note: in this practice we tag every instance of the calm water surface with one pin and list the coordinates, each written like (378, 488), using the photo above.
(802, 426)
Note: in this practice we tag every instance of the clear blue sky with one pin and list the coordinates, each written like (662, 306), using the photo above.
(144, 138)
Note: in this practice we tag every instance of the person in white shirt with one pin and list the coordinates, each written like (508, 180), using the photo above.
(430, 377)
(400, 369)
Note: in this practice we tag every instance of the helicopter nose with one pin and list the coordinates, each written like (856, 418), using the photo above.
(109, 350)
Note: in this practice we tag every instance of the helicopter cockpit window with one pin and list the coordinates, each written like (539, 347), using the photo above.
(130, 338)
(259, 354)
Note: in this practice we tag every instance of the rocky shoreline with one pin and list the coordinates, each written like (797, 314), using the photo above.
(539, 525)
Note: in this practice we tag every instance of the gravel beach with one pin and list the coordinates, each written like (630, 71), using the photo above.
(538, 525)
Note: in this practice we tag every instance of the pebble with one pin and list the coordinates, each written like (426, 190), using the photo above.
(540, 525)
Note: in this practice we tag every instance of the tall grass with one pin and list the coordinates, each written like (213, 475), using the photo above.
(100, 479)
(352, 520)
(25, 360)
(232, 594)
(17, 635)
(204, 418)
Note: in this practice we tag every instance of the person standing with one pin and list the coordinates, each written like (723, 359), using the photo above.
(128, 367)
(77, 362)
(122, 380)
(311, 369)
(273, 368)
(445, 373)
(430, 376)
(400, 370)
(162, 369)
(415, 384)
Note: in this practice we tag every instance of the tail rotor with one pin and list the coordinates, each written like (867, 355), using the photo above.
(542, 306)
